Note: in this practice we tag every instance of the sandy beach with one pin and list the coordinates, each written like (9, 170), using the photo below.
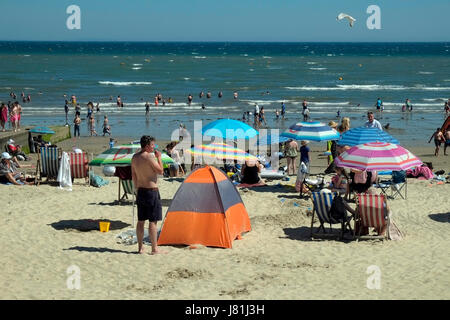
(46, 230)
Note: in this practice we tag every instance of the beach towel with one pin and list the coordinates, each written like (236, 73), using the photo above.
(64, 176)
(301, 173)
(246, 185)
(419, 172)
(394, 232)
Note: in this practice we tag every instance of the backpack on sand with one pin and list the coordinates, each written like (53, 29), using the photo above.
(338, 212)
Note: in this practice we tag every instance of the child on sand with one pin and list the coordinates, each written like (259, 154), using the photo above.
(438, 139)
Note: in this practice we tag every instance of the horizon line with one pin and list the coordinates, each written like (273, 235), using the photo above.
(222, 41)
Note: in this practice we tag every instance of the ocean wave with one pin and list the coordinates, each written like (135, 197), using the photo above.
(368, 87)
(253, 101)
(345, 103)
(199, 57)
(311, 62)
(436, 99)
(137, 64)
(425, 72)
(317, 68)
(124, 83)
(267, 57)
(399, 104)
(136, 68)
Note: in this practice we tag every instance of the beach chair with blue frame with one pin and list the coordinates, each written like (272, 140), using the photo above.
(398, 184)
(48, 163)
(322, 202)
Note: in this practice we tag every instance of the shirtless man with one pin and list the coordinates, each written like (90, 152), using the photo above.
(145, 168)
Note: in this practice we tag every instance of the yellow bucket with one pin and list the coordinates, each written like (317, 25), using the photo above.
(104, 226)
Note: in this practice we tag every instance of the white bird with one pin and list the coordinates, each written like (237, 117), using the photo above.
(346, 16)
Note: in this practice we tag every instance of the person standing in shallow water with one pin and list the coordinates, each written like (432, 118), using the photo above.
(146, 165)
(147, 108)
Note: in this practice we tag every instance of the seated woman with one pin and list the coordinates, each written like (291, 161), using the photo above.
(250, 172)
(15, 150)
(339, 181)
(9, 172)
(175, 155)
(361, 181)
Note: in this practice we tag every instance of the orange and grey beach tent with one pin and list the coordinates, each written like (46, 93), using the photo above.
(207, 209)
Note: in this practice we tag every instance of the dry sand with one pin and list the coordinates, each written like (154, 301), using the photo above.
(45, 230)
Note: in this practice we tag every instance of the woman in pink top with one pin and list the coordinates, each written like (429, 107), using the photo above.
(3, 116)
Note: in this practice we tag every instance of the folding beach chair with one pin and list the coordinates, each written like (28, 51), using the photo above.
(128, 189)
(322, 202)
(47, 163)
(79, 166)
(372, 213)
(398, 185)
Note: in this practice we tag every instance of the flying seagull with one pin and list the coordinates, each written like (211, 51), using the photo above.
(346, 16)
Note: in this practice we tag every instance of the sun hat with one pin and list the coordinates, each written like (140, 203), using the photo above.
(304, 142)
(332, 124)
(6, 155)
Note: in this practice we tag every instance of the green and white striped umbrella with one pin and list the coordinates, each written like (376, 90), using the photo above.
(122, 155)
(166, 160)
(116, 156)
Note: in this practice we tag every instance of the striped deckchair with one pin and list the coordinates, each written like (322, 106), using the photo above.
(128, 188)
(322, 203)
(372, 213)
(48, 163)
(79, 167)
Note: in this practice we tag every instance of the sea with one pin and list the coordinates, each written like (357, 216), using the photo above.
(331, 77)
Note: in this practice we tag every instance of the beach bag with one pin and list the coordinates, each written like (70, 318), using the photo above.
(398, 176)
(338, 213)
(97, 181)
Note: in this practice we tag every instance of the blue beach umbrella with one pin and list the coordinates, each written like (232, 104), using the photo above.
(42, 130)
(313, 131)
(229, 129)
(363, 135)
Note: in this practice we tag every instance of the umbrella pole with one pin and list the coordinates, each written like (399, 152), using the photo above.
(133, 210)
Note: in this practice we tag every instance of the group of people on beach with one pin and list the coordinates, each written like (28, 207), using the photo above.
(11, 112)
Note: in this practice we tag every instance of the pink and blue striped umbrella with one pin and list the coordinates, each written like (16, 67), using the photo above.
(377, 156)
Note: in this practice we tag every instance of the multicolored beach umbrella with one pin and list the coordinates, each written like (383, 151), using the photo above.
(166, 160)
(221, 151)
(377, 156)
(362, 135)
(229, 129)
(116, 156)
(313, 131)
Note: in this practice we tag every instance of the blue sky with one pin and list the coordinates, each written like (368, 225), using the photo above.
(224, 20)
